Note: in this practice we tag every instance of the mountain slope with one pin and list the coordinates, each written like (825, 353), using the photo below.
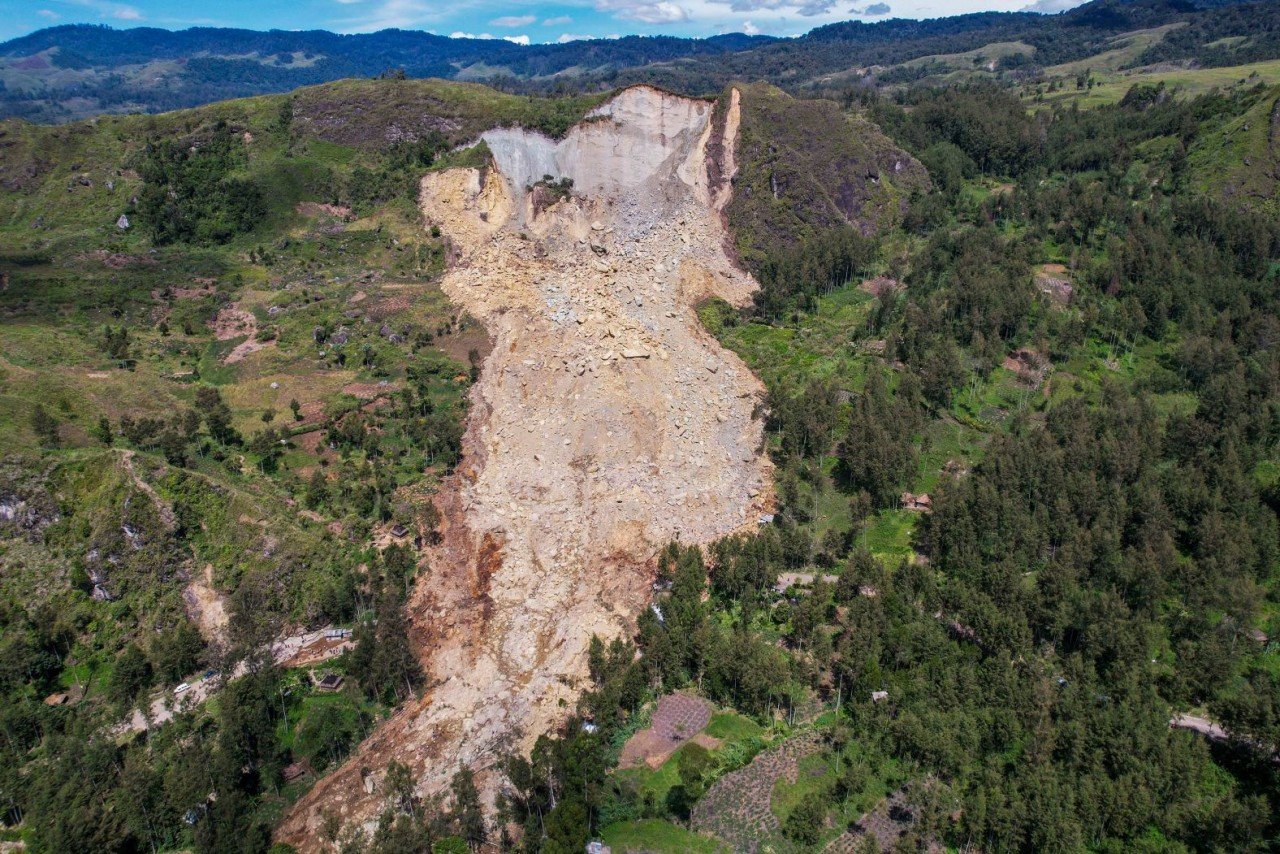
(67, 72)
(150, 69)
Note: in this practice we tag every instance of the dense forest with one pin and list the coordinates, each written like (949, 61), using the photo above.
(1100, 564)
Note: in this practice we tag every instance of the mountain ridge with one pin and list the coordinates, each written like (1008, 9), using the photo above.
(76, 71)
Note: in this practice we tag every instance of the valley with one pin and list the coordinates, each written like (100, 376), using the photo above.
(858, 441)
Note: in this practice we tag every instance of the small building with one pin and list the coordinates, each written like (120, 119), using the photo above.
(766, 518)
(920, 503)
(877, 696)
(399, 531)
(337, 634)
(59, 699)
(329, 682)
(596, 847)
(1258, 636)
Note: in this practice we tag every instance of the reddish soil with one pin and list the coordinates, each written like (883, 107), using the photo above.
(678, 719)
(315, 209)
(1030, 366)
(879, 286)
(117, 260)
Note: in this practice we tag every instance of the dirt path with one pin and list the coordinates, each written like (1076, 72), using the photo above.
(297, 650)
(163, 508)
(605, 423)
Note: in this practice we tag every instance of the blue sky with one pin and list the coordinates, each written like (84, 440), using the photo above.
(518, 20)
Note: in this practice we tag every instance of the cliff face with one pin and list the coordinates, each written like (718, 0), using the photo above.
(605, 423)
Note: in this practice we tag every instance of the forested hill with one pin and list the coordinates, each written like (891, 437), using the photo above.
(69, 72)
(149, 70)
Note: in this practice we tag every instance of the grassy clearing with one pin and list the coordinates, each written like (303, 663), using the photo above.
(740, 738)
(731, 726)
(1110, 87)
(656, 836)
(1126, 48)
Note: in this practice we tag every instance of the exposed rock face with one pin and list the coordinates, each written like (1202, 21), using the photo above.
(605, 423)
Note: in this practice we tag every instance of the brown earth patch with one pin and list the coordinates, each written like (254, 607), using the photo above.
(206, 606)
(880, 286)
(234, 322)
(117, 260)
(317, 210)
(368, 391)
(678, 719)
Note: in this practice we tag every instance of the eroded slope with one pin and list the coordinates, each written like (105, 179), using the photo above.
(604, 424)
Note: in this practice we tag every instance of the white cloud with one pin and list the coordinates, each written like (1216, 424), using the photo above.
(459, 34)
(807, 8)
(557, 21)
(644, 11)
(118, 11)
(514, 21)
(565, 38)
(1051, 7)
(750, 28)
(392, 14)
(49, 13)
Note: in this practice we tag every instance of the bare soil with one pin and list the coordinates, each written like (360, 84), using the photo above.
(605, 423)
(678, 719)
(234, 322)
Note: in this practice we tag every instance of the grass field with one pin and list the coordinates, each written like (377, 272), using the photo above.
(1111, 86)
(1127, 48)
(656, 836)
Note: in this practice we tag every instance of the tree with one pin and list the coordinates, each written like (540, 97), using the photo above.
(176, 652)
(467, 814)
(217, 415)
(45, 426)
(317, 494)
(102, 431)
(130, 676)
(400, 787)
(804, 824)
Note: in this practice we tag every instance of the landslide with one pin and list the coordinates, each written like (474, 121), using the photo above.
(605, 423)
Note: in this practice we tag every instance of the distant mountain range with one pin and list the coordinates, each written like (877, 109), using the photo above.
(70, 72)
